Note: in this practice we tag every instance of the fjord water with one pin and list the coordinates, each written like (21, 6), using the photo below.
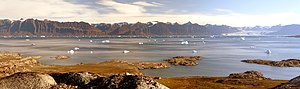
(221, 54)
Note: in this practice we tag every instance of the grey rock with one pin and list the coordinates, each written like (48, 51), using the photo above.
(292, 84)
(27, 80)
(125, 82)
(76, 79)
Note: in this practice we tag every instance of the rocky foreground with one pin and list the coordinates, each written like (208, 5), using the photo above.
(282, 63)
(25, 72)
(31, 80)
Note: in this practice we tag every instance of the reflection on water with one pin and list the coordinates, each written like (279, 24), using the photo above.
(222, 55)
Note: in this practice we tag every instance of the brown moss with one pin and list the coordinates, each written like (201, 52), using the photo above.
(210, 83)
(103, 68)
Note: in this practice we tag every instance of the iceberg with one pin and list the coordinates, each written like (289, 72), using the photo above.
(184, 42)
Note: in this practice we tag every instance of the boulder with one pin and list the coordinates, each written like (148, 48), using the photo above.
(87, 80)
(27, 80)
(125, 82)
(292, 84)
(184, 60)
(75, 79)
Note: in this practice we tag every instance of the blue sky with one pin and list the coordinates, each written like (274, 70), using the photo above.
(227, 12)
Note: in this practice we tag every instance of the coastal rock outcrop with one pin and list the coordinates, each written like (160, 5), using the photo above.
(27, 80)
(282, 63)
(292, 84)
(245, 78)
(151, 65)
(248, 75)
(11, 63)
(61, 57)
(184, 60)
(145, 65)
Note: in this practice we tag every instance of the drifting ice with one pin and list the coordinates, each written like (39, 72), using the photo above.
(105, 41)
(243, 38)
(71, 51)
(184, 42)
(126, 51)
(194, 51)
(268, 52)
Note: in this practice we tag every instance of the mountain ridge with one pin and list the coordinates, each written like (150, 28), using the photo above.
(47, 27)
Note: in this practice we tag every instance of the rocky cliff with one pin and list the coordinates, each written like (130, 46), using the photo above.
(47, 27)
(160, 28)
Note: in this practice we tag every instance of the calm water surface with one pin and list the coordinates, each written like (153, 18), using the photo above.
(222, 55)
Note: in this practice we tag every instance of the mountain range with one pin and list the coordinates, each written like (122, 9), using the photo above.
(47, 27)
(292, 29)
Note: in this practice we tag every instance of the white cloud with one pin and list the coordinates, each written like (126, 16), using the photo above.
(229, 19)
(143, 3)
(136, 12)
(133, 12)
(135, 8)
(51, 9)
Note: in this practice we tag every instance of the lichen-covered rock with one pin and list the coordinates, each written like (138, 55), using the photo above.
(125, 82)
(27, 80)
(63, 86)
(11, 63)
(76, 79)
(87, 80)
(248, 75)
(292, 84)
(282, 63)
(184, 60)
